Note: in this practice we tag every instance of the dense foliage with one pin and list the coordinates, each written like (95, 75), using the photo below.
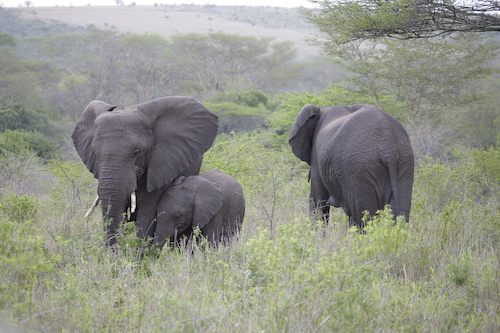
(440, 272)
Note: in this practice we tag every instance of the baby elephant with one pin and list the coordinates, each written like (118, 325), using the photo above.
(212, 201)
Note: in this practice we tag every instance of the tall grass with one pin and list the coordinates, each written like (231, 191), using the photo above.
(284, 273)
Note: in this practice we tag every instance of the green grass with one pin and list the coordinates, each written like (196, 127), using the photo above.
(439, 273)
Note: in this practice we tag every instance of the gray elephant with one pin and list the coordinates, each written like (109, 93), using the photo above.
(212, 201)
(360, 158)
(137, 152)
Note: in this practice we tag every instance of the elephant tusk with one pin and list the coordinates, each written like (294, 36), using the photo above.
(94, 205)
(133, 203)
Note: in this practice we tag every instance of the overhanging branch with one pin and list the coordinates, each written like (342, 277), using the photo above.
(404, 19)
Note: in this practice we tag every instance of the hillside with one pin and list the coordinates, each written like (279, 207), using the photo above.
(165, 20)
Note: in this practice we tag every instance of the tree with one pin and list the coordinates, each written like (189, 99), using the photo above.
(149, 70)
(349, 20)
(427, 75)
(220, 62)
(89, 64)
(18, 81)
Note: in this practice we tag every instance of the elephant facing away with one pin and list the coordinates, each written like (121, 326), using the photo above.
(137, 152)
(360, 158)
(212, 201)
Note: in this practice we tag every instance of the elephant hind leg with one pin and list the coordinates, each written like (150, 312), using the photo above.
(319, 209)
(318, 197)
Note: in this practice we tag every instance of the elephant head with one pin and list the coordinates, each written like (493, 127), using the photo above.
(189, 203)
(142, 147)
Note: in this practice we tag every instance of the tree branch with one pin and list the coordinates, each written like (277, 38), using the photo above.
(403, 19)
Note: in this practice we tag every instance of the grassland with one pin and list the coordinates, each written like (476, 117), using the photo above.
(285, 273)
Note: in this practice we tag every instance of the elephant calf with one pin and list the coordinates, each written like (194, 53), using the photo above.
(212, 201)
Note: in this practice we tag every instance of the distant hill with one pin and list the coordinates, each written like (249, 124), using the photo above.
(165, 20)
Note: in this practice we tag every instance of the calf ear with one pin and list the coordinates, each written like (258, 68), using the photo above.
(302, 132)
(207, 202)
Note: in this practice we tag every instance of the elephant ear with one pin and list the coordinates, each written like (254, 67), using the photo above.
(302, 132)
(84, 134)
(183, 130)
(207, 202)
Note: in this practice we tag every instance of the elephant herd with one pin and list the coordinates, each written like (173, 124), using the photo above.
(147, 159)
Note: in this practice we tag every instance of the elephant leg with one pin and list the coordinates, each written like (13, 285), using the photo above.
(318, 197)
(146, 213)
(363, 199)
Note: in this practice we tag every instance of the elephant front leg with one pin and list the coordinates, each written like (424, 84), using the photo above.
(146, 213)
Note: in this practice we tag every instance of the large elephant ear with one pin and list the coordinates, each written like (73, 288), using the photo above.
(84, 134)
(207, 201)
(302, 132)
(183, 130)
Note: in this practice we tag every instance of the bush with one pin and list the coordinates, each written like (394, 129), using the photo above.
(24, 118)
(21, 208)
(238, 118)
(251, 98)
(22, 143)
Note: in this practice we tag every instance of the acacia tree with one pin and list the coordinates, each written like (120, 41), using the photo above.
(219, 62)
(426, 75)
(348, 20)
(148, 70)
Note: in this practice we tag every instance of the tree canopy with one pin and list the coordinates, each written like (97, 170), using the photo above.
(349, 20)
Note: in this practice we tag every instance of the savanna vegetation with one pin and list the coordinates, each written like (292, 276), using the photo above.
(285, 273)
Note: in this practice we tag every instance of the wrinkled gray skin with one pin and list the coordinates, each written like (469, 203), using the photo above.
(360, 157)
(142, 148)
(212, 201)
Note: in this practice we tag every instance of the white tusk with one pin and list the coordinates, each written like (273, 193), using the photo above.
(133, 203)
(94, 205)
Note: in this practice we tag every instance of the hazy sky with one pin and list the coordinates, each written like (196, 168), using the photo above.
(273, 3)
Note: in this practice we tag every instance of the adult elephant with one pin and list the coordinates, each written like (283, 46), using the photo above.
(212, 201)
(137, 152)
(360, 158)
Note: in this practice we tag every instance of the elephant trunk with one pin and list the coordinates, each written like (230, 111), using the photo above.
(133, 204)
(115, 199)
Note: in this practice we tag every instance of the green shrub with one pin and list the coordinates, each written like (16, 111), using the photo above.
(238, 118)
(21, 142)
(252, 98)
(21, 208)
(24, 261)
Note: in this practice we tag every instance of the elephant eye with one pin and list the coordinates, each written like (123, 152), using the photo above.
(137, 151)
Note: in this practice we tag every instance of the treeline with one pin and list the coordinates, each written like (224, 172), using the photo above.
(443, 90)
(47, 71)
(72, 69)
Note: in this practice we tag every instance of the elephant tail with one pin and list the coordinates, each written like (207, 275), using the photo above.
(400, 196)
